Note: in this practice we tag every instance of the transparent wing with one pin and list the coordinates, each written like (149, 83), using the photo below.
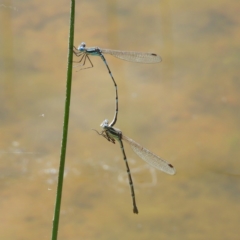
(150, 157)
(138, 57)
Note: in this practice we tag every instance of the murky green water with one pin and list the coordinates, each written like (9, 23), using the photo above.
(185, 109)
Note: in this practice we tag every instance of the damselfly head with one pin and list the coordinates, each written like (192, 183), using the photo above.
(82, 46)
(104, 123)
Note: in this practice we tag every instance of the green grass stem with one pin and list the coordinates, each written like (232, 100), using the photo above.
(65, 125)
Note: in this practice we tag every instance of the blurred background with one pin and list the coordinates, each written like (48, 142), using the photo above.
(185, 109)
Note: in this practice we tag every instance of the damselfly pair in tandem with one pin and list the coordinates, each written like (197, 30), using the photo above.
(111, 133)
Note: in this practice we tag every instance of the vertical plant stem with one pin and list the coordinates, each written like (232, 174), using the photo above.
(65, 125)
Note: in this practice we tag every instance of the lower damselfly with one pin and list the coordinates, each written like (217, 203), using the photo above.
(112, 134)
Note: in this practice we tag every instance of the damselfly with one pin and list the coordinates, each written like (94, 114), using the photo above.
(112, 134)
(83, 52)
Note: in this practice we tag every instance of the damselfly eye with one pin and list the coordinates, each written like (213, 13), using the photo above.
(82, 46)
